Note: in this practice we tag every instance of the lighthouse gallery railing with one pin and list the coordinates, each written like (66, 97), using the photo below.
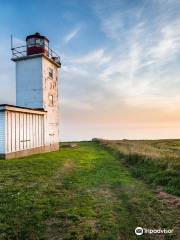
(21, 51)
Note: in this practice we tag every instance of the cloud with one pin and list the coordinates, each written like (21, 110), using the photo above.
(72, 34)
(132, 79)
(97, 56)
(145, 50)
(169, 43)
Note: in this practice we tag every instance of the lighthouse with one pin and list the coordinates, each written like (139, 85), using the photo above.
(32, 125)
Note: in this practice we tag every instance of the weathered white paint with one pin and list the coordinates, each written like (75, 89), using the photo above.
(29, 89)
(35, 123)
(33, 88)
(23, 128)
(2, 132)
(50, 88)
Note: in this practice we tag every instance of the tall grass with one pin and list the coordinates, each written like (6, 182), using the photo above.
(157, 162)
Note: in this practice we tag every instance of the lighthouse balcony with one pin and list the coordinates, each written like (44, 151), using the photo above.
(34, 50)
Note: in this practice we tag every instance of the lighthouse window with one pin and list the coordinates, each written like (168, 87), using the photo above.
(39, 42)
(51, 100)
(31, 42)
(51, 72)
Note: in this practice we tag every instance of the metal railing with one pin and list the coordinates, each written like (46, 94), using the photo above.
(21, 51)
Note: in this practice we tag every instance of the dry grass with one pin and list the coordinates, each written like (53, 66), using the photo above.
(156, 161)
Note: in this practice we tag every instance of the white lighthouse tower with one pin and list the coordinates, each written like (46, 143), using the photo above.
(32, 126)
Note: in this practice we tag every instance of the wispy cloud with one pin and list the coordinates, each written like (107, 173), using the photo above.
(97, 56)
(72, 34)
(168, 46)
(135, 77)
(142, 47)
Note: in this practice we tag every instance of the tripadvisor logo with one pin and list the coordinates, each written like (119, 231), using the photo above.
(140, 231)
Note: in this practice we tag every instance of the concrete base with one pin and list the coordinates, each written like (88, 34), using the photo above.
(27, 152)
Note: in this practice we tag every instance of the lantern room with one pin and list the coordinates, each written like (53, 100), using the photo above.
(37, 44)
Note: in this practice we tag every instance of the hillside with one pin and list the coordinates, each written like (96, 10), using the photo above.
(81, 192)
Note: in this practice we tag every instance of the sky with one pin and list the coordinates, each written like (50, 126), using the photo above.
(120, 75)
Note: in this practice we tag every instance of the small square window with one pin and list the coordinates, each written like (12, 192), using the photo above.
(51, 100)
(51, 72)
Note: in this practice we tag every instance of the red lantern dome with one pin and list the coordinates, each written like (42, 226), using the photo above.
(37, 44)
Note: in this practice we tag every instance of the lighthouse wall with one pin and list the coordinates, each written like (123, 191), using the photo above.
(50, 89)
(37, 88)
(29, 90)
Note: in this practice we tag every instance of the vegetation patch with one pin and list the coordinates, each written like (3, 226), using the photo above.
(79, 193)
(155, 161)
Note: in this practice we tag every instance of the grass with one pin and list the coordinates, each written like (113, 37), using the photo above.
(80, 193)
(155, 161)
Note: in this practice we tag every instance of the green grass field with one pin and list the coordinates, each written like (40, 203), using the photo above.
(80, 193)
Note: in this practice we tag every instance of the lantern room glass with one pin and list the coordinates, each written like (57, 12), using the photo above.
(39, 42)
(31, 42)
